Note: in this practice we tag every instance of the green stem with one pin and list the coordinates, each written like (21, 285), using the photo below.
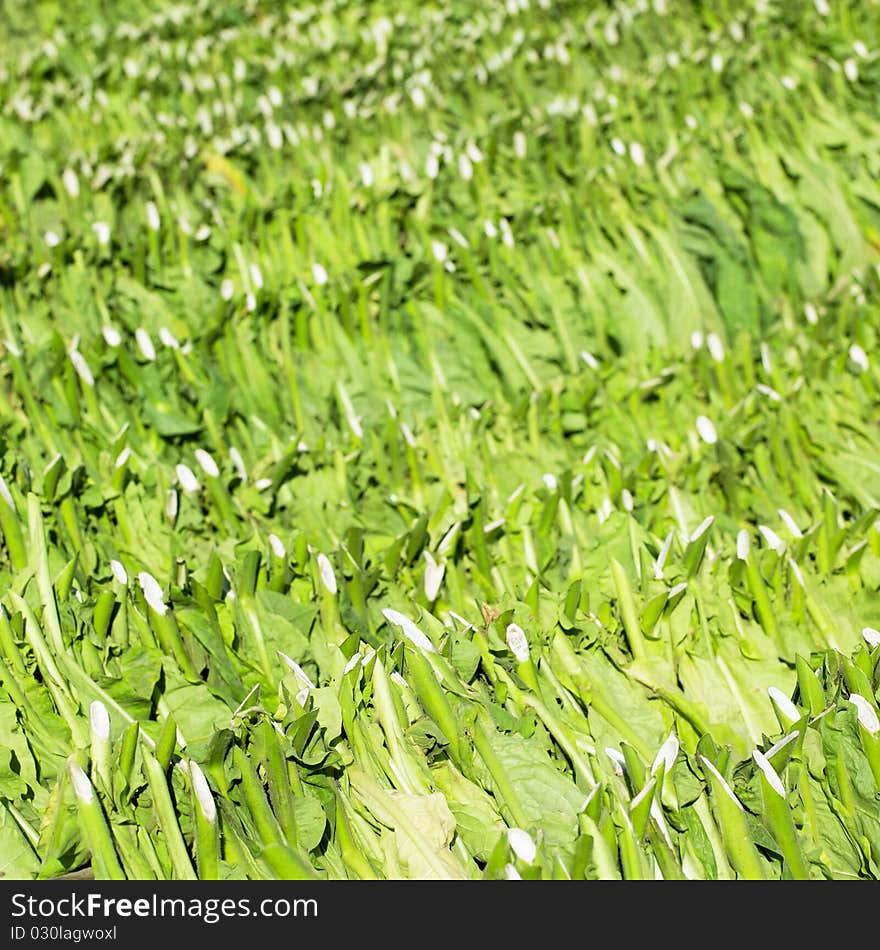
(95, 828)
(163, 806)
(506, 788)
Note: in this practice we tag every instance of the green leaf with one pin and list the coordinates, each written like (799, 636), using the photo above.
(477, 821)
(310, 822)
(18, 859)
(549, 798)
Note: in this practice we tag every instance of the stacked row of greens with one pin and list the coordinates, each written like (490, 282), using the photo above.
(440, 441)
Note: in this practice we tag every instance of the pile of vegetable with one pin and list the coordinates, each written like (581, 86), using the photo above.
(439, 440)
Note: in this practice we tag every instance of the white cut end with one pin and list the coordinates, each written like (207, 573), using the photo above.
(458, 237)
(618, 147)
(626, 499)
(262, 484)
(617, 760)
(697, 340)
(796, 571)
(647, 790)
(6, 494)
(82, 787)
(789, 523)
(419, 99)
(768, 391)
(867, 713)
(589, 359)
(277, 546)
(238, 462)
(319, 274)
(465, 624)
(706, 430)
(871, 637)
(465, 168)
(71, 182)
(473, 152)
(325, 568)
(52, 239)
(770, 773)
(81, 367)
(666, 754)
(188, 482)
(661, 557)
(171, 504)
(99, 721)
(439, 250)
(351, 416)
(52, 463)
(434, 573)
(859, 357)
(168, 339)
(783, 742)
(208, 465)
(408, 435)
(227, 289)
(202, 791)
(517, 642)
(772, 538)
(297, 670)
(511, 873)
(123, 457)
(152, 592)
(519, 144)
(637, 153)
(102, 231)
(675, 591)
(395, 677)
(112, 337)
(352, 664)
(722, 781)
(785, 706)
(153, 220)
(549, 480)
(256, 276)
(742, 545)
(522, 845)
(145, 344)
(702, 528)
(410, 630)
(119, 572)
